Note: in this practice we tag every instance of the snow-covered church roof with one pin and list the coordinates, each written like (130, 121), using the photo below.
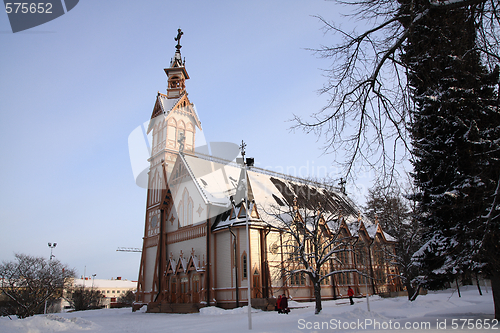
(222, 184)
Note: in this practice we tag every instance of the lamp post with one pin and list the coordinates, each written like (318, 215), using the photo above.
(367, 296)
(93, 276)
(246, 163)
(52, 246)
(249, 273)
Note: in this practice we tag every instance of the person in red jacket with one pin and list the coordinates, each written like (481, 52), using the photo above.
(350, 293)
(278, 304)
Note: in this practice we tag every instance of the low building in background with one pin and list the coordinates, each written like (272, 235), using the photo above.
(111, 289)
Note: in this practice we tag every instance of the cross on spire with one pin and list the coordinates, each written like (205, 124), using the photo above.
(178, 39)
(181, 140)
(242, 148)
(342, 185)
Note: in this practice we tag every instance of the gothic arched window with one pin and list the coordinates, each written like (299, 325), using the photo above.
(190, 211)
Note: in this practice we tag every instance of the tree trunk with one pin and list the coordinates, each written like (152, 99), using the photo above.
(317, 296)
(495, 288)
(478, 286)
(458, 288)
(409, 289)
(415, 293)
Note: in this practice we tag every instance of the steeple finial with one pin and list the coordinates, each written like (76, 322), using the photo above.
(242, 149)
(342, 185)
(176, 73)
(178, 40)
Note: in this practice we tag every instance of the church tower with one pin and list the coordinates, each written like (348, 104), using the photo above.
(174, 120)
(172, 127)
(176, 73)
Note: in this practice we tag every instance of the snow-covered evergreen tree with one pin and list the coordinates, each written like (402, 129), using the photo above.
(455, 132)
(423, 77)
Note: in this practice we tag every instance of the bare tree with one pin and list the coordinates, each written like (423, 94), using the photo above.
(369, 98)
(424, 77)
(29, 281)
(312, 239)
(128, 298)
(395, 213)
(85, 298)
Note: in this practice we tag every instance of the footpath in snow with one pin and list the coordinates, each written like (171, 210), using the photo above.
(441, 311)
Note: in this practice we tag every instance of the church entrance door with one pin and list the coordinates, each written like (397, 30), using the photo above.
(173, 289)
(184, 290)
(196, 289)
(257, 287)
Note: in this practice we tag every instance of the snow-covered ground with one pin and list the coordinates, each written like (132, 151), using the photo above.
(437, 308)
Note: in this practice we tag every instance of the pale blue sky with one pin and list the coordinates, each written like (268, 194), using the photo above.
(73, 89)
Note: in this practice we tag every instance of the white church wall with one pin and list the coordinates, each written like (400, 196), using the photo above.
(149, 268)
(255, 251)
(274, 259)
(190, 207)
(223, 257)
(242, 249)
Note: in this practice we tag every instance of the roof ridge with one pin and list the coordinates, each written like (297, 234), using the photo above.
(191, 173)
(212, 158)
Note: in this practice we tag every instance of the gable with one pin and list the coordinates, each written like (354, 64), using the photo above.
(162, 107)
(189, 205)
(171, 265)
(181, 266)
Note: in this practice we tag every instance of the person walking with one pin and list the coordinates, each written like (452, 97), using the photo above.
(350, 293)
(284, 304)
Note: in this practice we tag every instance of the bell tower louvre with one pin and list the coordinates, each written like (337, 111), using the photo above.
(176, 73)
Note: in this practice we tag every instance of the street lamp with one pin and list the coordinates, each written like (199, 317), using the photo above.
(245, 164)
(93, 276)
(52, 246)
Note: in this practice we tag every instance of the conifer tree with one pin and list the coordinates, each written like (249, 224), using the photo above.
(455, 133)
(424, 77)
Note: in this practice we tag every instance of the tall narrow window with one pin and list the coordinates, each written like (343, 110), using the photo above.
(186, 208)
(244, 263)
(180, 210)
(190, 211)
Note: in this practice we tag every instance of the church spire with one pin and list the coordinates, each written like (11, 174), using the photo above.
(176, 73)
(177, 61)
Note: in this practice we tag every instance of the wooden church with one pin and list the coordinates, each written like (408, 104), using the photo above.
(195, 241)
